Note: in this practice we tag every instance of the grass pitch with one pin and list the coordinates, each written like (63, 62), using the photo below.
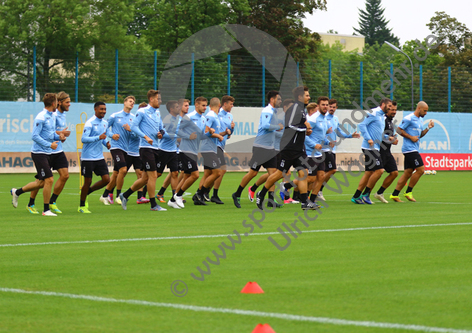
(364, 274)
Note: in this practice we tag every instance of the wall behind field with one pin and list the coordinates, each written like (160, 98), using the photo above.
(446, 147)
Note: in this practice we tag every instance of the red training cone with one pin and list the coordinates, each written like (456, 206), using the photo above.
(263, 328)
(252, 288)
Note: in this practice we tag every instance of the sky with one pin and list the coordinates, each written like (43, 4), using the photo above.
(408, 18)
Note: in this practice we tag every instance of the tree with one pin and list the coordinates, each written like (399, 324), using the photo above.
(373, 25)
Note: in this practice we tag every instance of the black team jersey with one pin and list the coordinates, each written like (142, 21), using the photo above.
(388, 131)
(293, 138)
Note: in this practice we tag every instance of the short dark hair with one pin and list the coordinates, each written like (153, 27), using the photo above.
(151, 93)
(271, 94)
(226, 99)
(171, 104)
(142, 105)
(200, 99)
(323, 98)
(287, 102)
(49, 99)
(97, 104)
(394, 103)
(385, 101)
(333, 101)
(299, 91)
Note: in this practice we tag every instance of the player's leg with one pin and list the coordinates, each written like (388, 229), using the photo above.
(400, 184)
(31, 205)
(86, 168)
(391, 168)
(165, 185)
(246, 179)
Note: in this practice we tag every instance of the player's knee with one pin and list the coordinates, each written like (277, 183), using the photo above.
(174, 174)
(123, 171)
(48, 181)
(394, 174)
(420, 171)
(106, 179)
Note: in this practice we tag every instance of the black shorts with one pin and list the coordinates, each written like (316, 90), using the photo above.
(278, 157)
(42, 164)
(189, 162)
(134, 161)
(168, 158)
(291, 158)
(149, 157)
(119, 159)
(372, 159)
(388, 161)
(330, 160)
(413, 160)
(263, 157)
(316, 164)
(87, 168)
(179, 161)
(210, 161)
(221, 156)
(58, 161)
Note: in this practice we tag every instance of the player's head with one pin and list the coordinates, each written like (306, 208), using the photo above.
(323, 104)
(129, 102)
(274, 98)
(184, 106)
(173, 107)
(421, 109)
(154, 98)
(142, 105)
(227, 103)
(385, 104)
(201, 104)
(50, 101)
(215, 104)
(100, 109)
(301, 94)
(333, 106)
(287, 103)
(63, 101)
(392, 112)
(311, 108)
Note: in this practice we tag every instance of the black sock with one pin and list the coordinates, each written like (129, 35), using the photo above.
(215, 192)
(89, 191)
(313, 197)
(263, 192)
(239, 191)
(153, 202)
(303, 197)
(19, 191)
(205, 190)
(322, 187)
(357, 194)
(381, 190)
(254, 187)
(180, 193)
(82, 203)
(46, 207)
(105, 193)
(112, 190)
(53, 198)
(128, 193)
(396, 193)
(161, 191)
(144, 190)
(172, 199)
(409, 189)
(296, 195)
(140, 194)
(288, 186)
(271, 195)
(367, 191)
(118, 192)
(173, 192)
(31, 202)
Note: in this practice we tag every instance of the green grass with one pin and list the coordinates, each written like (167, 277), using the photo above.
(417, 276)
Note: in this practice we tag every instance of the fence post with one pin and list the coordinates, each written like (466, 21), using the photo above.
(155, 70)
(362, 84)
(391, 81)
(34, 73)
(116, 76)
(329, 80)
(298, 72)
(263, 81)
(421, 82)
(229, 75)
(449, 89)
(77, 77)
(192, 87)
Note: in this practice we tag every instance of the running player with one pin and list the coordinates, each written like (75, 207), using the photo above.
(92, 160)
(263, 152)
(411, 129)
(45, 142)
(371, 129)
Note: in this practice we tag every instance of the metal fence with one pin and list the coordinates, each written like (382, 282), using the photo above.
(110, 75)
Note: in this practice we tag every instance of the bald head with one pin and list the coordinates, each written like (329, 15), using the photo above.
(421, 109)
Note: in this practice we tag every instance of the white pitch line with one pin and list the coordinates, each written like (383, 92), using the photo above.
(283, 316)
(224, 235)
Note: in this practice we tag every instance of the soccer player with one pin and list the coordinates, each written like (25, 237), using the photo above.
(58, 158)
(148, 126)
(119, 131)
(92, 160)
(371, 129)
(330, 151)
(208, 149)
(411, 129)
(293, 148)
(45, 142)
(263, 152)
(191, 131)
(226, 122)
(388, 160)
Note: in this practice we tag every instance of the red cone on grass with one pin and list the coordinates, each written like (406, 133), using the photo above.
(263, 328)
(252, 288)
